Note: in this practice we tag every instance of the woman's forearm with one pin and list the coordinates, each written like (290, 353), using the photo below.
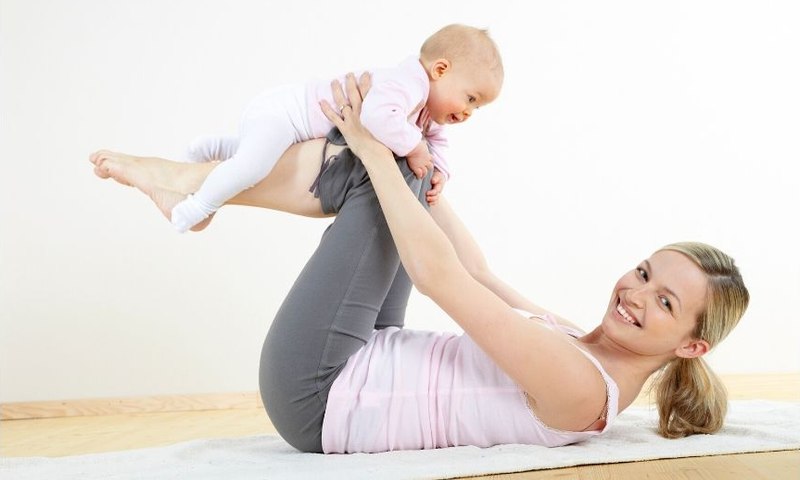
(505, 291)
(467, 249)
(427, 250)
(471, 256)
(430, 244)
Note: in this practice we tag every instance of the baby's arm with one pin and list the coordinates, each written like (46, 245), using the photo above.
(419, 160)
(394, 101)
(437, 144)
(437, 185)
(385, 115)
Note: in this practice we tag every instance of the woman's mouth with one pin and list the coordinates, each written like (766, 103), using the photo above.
(626, 316)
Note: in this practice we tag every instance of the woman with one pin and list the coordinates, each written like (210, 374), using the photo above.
(339, 374)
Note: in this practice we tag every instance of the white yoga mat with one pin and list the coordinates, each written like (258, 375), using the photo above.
(751, 426)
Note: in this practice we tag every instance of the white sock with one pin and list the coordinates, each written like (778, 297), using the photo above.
(208, 148)
(189, 213)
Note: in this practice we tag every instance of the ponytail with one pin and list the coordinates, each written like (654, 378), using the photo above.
(690, 398)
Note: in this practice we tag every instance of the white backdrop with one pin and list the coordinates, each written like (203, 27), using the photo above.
(622, 126)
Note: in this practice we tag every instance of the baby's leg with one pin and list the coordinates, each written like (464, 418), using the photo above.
(272, 122)
(264, 138)
(208, 148)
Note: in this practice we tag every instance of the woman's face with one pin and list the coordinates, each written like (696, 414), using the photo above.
(654, 308)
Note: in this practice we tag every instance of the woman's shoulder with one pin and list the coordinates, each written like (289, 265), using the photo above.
(592, 411)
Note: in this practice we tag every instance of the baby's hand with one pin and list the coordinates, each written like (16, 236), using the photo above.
(420, 160)
(437, 184)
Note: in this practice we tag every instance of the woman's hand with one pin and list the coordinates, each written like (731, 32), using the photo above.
(346, 116)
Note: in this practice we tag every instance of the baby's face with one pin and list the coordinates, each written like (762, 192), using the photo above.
(455, 95)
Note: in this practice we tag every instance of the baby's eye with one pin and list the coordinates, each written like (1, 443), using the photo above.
(472, 99)
(642, 273)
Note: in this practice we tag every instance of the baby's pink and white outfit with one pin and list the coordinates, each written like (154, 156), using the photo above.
(408, 390)
(280, 117)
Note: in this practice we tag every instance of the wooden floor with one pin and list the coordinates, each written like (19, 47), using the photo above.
(100, 433)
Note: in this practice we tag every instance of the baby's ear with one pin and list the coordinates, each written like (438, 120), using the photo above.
(439, 68)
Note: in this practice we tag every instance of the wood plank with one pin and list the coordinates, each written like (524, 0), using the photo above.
(750, 466)
(115, 406)
(779, 465)
(55, 437)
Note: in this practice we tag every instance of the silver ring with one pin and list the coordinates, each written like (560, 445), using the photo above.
(341, 109)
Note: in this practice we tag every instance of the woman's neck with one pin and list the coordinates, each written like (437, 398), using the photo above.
(628, 369)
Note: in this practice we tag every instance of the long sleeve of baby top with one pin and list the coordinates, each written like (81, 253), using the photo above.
(437, 145)
(393, 104)
(390, 111)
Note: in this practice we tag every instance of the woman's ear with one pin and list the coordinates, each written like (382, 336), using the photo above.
(439, 68)
(693, 349)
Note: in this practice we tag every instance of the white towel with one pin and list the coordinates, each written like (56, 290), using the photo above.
(751, 426)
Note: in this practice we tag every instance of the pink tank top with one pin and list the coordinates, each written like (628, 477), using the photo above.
(411, 390)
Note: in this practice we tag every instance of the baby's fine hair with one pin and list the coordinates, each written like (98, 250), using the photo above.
(462, 43)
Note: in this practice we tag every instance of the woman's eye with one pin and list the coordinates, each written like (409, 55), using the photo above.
(642, 273)
(665, 301)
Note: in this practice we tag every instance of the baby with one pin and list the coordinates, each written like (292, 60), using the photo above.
(457, 70)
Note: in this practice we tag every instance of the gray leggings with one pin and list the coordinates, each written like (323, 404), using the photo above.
(352, 284)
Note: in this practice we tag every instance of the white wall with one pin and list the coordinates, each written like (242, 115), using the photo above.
(622, 126)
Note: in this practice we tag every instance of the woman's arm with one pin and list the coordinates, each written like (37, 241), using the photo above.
(525, 350)
(471, 256)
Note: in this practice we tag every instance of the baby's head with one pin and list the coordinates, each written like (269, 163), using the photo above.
(465, 71)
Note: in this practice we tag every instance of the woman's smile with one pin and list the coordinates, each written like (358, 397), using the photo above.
(623, 315)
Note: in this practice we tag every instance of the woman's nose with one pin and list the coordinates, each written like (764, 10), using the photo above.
(635, 297)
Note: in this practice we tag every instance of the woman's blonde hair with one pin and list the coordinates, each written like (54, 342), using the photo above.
(690, 397)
